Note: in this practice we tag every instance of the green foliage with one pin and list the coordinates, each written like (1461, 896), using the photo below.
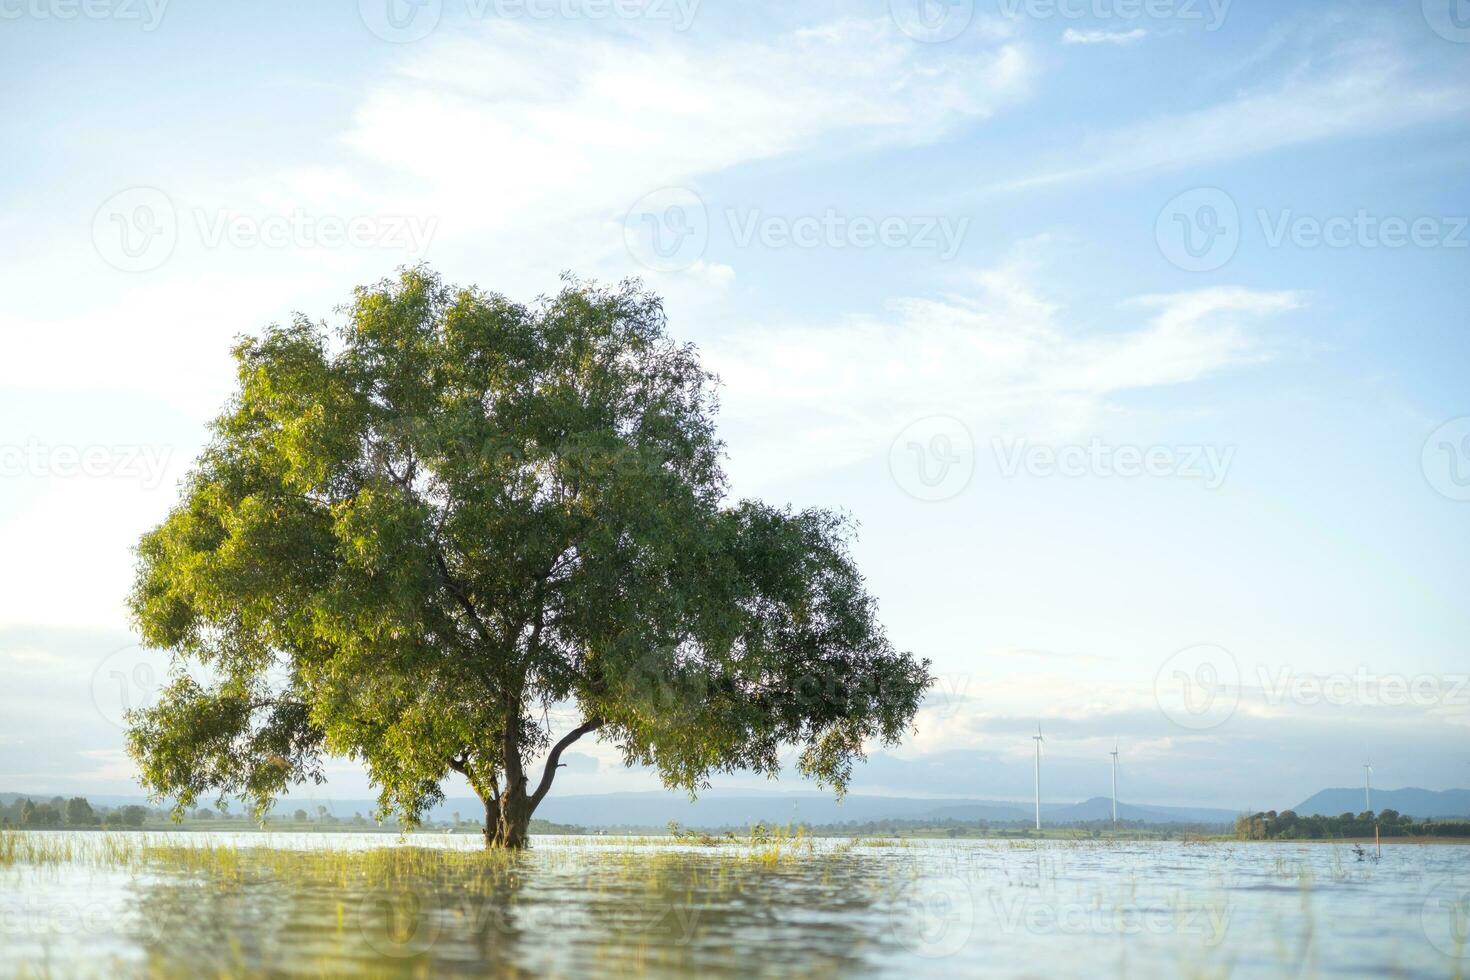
(411, 537)
(131, 817)
(1287, 825)
(79, 813)
(43, 815)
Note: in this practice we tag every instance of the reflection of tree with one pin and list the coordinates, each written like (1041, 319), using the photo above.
(190, 926)
(419, 911)
(495, 933)
(659, 911)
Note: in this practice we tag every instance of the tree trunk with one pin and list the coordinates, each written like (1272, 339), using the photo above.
(508, 818)
(507, 822)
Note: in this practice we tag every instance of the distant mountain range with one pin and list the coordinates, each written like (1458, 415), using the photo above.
(741, 809)
(1411, 801)
(735, 809)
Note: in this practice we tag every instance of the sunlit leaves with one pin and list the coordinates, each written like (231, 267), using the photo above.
(413, 535)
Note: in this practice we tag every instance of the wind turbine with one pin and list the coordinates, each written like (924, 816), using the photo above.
(1037, 738)
(1368, 785)
(1114, 754)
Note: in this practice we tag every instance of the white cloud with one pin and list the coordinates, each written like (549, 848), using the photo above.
(524, 149)
(1001, 354)
(509, 122)
(1361, 88)
(1073, 36)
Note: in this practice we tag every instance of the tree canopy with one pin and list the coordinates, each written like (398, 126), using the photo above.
(414, 538)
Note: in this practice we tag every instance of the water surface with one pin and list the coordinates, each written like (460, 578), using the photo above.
(429, 905)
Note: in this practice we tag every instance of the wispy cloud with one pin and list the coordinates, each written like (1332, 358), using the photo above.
(1073, 36)
(1017, 653)
(1359, 88)
(999, 353)
(507, 121)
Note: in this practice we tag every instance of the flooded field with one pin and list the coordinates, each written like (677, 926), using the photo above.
(203, 904)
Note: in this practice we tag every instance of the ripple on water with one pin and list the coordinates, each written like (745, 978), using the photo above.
(185, 904)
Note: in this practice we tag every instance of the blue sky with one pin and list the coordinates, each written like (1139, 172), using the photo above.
(958, 265)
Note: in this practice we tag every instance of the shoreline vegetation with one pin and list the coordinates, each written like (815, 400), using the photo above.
(1385, 826)
(78, 814)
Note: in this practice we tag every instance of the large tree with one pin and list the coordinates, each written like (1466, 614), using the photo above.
(414, 539)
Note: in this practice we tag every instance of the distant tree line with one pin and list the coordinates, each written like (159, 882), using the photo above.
(947, 827)
(60, 812)
(1288, 825)
(77, 813)
(1007, 828)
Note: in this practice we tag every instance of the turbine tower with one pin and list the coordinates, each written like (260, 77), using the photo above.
(1114, 754)
(1368, 785)
(1037, 738)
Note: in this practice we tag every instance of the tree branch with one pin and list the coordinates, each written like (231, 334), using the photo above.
(460, 596)
(462, 765)
(553, 760)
